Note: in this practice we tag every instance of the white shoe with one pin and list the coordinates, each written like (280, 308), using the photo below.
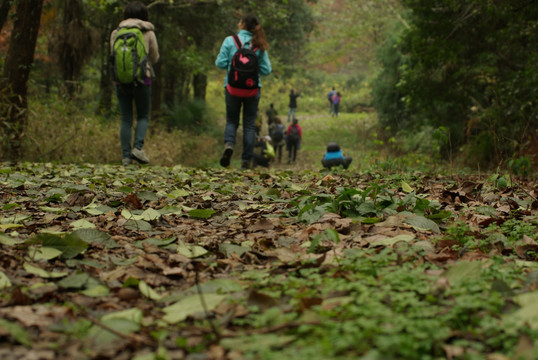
(140, 155)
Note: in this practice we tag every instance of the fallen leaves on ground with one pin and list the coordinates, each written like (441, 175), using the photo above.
(105, 262)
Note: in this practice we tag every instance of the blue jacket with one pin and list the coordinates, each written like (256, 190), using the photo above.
(228, 49)
(334, 155)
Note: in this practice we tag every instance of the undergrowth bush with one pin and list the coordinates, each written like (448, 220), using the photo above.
(58, 131)
(193, 116)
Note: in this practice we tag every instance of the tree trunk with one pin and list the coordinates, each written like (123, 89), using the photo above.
(156, 92)
(170, 86)
(199, 84)
(16, 72)
(105, 85)
(4, 11)
(74, 46)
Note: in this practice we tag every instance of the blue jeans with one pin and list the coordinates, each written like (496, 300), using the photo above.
(233, 112)
(141, 96)
(291, 114)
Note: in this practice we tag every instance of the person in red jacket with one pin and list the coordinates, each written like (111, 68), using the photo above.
(294, 135)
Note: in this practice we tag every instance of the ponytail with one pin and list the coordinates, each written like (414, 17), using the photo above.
(252, 24)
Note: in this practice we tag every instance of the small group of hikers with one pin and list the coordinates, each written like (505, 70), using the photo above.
(334, 98)
(244, 56)
(272, 145)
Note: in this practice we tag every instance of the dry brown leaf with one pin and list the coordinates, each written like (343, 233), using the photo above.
(35, 315)
(452, 351)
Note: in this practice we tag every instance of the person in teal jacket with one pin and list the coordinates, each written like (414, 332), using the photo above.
(251, 35)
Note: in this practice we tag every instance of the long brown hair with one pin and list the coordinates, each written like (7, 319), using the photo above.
(252, 24)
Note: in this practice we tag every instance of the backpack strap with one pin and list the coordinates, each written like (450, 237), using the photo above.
(239, 44)
(237, 41)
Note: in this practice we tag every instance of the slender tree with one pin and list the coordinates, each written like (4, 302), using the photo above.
(13, 85)
(4, 11)
(71, 44)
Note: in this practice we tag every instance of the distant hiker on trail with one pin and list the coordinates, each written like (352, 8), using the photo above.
(293, 140)
(276, 131)
(271, 114)
(244, 56)
(336, 103)
(266, 154)
(335, 157)
(330, 98)
(134, 86)
(293, 104)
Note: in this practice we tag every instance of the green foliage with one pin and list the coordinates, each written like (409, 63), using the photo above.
(521, 166)
(192, 116)
(368, 204)
(455, 67)
(369, 318)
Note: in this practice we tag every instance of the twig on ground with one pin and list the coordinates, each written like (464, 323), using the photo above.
(131, 337)
(207, 315)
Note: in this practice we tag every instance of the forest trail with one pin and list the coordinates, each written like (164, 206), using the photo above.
(351, 131)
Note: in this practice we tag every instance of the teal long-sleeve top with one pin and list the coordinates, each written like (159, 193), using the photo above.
(228, 49)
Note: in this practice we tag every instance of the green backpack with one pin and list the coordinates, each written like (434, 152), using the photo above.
(129, 56)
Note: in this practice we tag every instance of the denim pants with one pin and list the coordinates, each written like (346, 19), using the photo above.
(233, 112)
(291, 114)
(141, 96)
(292, 150)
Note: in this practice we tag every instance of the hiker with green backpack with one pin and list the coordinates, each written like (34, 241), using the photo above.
(134, 49)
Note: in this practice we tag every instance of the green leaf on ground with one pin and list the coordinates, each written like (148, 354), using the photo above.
(463, 271)
(148, 292)
(70, 245)
(201, 213)
(37, 253)
(231, 249)
(17, 332)
(138, 225)
(124, 322)
(190, 250)
(191, 305)
(82, 224)
(4, 281)
(91, 235)
(150, 214)
(43, 273)
(74, 281)
(406, 188)
(421, 223)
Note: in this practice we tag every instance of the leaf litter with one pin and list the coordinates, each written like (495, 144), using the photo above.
(147, 263)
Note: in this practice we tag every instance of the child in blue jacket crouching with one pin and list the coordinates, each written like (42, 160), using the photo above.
(335, 157)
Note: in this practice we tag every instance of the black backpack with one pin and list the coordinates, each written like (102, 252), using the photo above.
(278, 133)
(333, 147)
(293, 136)
(243, 75)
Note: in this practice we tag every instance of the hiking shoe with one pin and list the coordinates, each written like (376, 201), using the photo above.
(245, 164)
(140, 156)
(126, 161)
(226, 155)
